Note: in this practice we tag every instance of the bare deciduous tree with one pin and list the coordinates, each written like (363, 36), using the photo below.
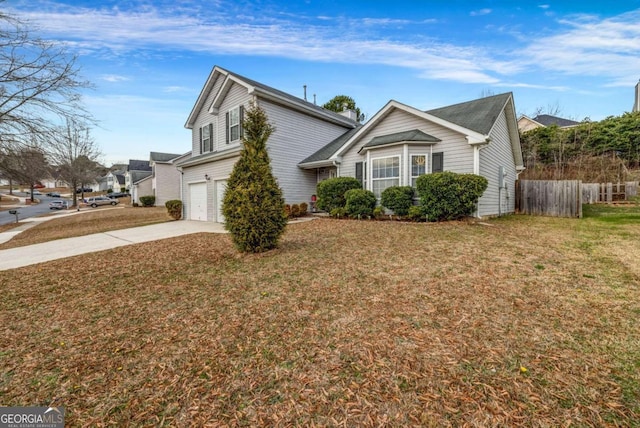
(73, 151)
(39, 83)
(25, 165)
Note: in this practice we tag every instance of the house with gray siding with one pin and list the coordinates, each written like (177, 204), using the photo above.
(400, 143)
(311, 144)
(301, 129)
(165, 177)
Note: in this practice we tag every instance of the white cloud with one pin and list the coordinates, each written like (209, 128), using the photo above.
(480, 12)
(114, 78)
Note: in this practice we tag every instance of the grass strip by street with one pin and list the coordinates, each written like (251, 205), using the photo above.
(528, 321)
(96, 221)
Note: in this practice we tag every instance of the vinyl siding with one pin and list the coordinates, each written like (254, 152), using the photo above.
(296, 137)
(204, 117)
(498, 153)
(166, 183)
(458, 155)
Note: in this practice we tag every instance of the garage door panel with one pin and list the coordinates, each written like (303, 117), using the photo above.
(198, 201)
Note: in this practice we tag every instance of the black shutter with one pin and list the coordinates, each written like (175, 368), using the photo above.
(201, 148)
(360, 173)
(437, 162)
(241, 121)
(227, 126)
(211, 137)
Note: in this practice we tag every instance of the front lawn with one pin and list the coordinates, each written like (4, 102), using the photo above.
(527, 321)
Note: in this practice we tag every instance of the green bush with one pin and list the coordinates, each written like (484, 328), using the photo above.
(415, 213)
(378, 212)
(398, 199)
(148, 201)
(253, 205)
(295, 210)
(359, 202)
(331, 192)
(109, 191)
(304, 208)
(338, 213)
(174, 208)
(449, 196)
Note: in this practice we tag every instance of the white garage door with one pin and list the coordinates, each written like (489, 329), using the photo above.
(221, 187)
(198, 201)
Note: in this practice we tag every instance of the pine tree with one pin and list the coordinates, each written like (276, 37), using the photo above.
(253, 205)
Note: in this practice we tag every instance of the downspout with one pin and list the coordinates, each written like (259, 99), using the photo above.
(179, 168)
(476, 168)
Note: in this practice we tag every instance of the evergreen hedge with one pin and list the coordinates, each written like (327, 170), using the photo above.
(359, 202)
(148, 201)
(398, 199)
(174, 208)
(449, 196)
(331, 192)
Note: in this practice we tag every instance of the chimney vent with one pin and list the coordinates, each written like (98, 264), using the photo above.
(305, 92)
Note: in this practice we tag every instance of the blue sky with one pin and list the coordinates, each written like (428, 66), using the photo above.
(149, 59)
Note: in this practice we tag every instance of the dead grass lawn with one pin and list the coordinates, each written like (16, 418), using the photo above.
(528, 322)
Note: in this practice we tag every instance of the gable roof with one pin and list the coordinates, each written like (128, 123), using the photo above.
(162, 157)
(475, 119)
(478, 115)
(139, 175)
(138, 165)
(264, 91)
(549, 120)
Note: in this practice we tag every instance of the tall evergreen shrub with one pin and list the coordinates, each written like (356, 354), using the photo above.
(253, 205)
(398, 199)
(449, 196)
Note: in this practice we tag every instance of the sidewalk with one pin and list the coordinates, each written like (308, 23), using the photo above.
(62, 248)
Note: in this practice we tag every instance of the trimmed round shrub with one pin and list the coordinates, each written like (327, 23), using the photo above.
(304, 208)
(295, 210)
(449, 196)
(174, 208)
(147, 201)
(398, 199)
(338, 213)
(359, 202)
(415, 213)
(331, 192)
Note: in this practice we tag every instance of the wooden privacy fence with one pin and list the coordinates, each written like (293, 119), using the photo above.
(564, 198)
(556, 198)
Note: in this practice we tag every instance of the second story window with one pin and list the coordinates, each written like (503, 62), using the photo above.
(206, 138)
(234, 124)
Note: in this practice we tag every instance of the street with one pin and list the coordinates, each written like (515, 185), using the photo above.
(26, 211)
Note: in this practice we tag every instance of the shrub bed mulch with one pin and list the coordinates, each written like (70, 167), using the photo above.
(527, 322)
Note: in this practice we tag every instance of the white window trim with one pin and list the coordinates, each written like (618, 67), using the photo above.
(399, 157)
(231, 140)
(211, 146)
(426, 169)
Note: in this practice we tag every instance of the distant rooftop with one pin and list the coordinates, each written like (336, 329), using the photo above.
(548, 120)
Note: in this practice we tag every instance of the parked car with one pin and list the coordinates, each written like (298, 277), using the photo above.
(84, 189)
(115, 195)
(38, 186)
(100, 200)
(53, 194)
(58, 205)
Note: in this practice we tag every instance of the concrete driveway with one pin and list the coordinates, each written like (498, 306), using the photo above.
(61, 248)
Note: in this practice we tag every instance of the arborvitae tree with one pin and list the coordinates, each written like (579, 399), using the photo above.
(253, 205)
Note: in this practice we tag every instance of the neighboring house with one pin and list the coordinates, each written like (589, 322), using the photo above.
(165, 184)
(114, 180)
(400, 143)
(301, 128)
(310, 144)
(525, 123)
(134, 170)
(141, 187)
